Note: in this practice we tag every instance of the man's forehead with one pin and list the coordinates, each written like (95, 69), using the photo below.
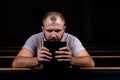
(54, 19)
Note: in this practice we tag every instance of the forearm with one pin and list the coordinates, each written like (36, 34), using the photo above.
(82, 62)
(25, 62)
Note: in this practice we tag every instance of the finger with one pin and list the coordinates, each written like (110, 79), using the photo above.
(63, 52)
(43, 59)
(64, 60)
(63, 48)
(45, 53)
(44, 48)
(63, 56)
(46, 56)
(60, 52)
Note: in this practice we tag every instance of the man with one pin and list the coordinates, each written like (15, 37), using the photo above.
(53, 30)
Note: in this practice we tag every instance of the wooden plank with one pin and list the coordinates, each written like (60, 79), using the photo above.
(105, 56)
(100, 68)
(1, 51)
(15, 69)
(7, 56)
(102, 51)
(105, 51)
(91, 56)
(83, 68)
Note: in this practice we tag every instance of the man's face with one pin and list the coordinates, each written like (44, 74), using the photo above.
(53, 28)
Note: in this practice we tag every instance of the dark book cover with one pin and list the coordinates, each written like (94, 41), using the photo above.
(54, 64)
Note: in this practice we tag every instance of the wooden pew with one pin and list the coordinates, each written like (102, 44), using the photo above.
(86, 73)
(103, 55)
(107, 60)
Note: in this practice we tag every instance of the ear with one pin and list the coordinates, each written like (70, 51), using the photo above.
(42, 28)
(64, 27)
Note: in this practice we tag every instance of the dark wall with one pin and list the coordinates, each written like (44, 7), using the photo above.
(89, 20)
(105, 21)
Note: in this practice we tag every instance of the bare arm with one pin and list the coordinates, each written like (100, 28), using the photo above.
(83, 59)
(25, 59)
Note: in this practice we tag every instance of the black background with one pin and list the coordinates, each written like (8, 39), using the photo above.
(94, 21)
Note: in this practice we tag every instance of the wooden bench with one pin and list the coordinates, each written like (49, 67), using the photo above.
(104, 56)
(87, 73)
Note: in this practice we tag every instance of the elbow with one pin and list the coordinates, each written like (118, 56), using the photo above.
(92, 64)
(17, 65)
(14, 64)
(89, 63)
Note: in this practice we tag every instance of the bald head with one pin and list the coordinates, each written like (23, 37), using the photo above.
(53, 26)
(53, 18)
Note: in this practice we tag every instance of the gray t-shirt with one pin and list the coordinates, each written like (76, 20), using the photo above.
(36, 41)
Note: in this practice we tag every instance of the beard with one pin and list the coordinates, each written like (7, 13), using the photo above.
(54, 40)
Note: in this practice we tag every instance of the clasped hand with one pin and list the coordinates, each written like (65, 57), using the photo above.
(63, 54)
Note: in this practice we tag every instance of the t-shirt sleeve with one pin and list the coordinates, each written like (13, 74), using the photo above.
(76, 46)
(30, 44)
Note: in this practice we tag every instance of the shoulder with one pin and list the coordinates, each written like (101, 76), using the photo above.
(37, 35)
(68, 36)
